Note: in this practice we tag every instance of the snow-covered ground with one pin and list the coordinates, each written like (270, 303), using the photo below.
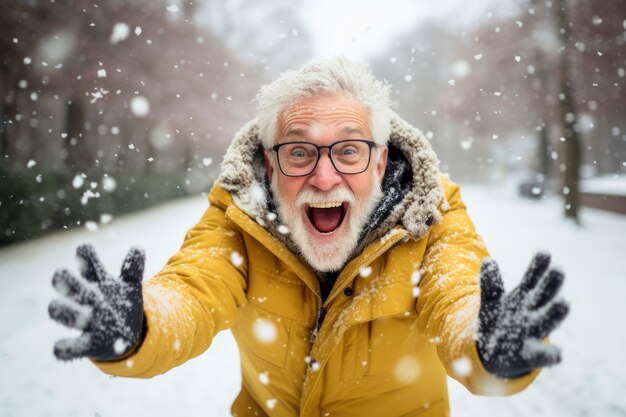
(590, 381)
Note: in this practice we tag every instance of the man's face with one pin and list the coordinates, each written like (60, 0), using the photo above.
(325, 211)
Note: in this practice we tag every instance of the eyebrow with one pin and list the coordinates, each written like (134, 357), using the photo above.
(351, 130)
(300, 132)
(296, 132)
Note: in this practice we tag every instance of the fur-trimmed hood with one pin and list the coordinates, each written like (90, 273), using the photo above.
(416, 208)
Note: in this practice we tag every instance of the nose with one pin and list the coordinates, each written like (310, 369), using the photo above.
(325, 176)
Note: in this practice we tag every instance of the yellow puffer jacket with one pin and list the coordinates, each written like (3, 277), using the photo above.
(401, 315)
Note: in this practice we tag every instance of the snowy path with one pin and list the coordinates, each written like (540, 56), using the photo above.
(591, 380)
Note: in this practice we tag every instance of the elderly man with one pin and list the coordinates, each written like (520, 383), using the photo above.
(342, 260)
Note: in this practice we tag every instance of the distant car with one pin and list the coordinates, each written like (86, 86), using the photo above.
(533, 190)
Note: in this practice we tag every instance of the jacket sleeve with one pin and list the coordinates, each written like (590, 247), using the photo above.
(449, 298)
(196, 295)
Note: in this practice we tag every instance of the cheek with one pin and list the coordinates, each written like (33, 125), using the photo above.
(289, 188)
(361, 185)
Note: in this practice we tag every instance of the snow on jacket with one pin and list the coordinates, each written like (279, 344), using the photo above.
(399, 318)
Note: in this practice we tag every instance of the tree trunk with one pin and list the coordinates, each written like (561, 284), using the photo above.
(77, 154)
(544, 154)
(569, 128)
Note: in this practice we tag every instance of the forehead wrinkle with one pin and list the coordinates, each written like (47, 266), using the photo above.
(309, 116)
(298, 122)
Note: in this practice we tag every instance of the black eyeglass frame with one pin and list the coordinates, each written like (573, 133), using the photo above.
(370, 144)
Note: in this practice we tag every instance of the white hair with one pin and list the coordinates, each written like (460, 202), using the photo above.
(332, 76)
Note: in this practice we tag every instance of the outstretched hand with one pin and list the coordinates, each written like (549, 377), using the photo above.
(512, 326)
(109, 311)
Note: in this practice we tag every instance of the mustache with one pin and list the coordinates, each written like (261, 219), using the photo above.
(308, 196)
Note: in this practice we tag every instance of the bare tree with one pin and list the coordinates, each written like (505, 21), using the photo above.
(568, 115)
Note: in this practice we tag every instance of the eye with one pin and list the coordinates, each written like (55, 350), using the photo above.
(298, 153)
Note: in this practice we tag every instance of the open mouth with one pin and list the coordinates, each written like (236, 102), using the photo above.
(326, 217)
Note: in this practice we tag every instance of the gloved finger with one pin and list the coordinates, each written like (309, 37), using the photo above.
(132, 268)
(491, 285)
(549, 320)
(91, 267)
(539, 354)
(538, 266)
(66, 349)
(547, 288)
(69, 286)
(491, 292)
(70, 314)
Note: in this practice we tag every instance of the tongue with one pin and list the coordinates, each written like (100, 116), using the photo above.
(326, 219)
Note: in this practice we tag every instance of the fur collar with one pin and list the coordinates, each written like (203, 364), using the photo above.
(243, 175)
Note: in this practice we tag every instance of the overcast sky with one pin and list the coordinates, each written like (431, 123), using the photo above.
(358, 28)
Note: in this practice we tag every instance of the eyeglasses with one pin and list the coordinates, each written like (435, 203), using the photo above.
(350, 156)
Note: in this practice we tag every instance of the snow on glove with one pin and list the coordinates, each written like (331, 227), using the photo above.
(512, 326)
(108, 310)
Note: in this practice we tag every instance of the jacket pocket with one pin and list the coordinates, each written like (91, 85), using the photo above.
(355, 360)
(279, 291)
(387, 332)
(263, 334)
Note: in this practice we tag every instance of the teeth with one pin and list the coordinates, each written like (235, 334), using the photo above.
(326, 205)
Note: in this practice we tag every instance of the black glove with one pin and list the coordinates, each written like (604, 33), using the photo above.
(109, 311)
(512, 326)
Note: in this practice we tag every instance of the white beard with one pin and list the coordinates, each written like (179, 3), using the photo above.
(333, 255)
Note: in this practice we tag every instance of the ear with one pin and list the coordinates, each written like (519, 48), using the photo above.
(269, 169)
(381, 165)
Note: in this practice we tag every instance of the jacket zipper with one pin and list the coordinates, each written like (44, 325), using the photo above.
(321, 313)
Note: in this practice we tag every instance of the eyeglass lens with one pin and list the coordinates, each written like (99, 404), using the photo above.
(348, 157)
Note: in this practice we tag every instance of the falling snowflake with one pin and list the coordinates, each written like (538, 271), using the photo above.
(407, 369)
(120, 32)
(119, 346)
(466, 144)
(140, 106)
(236, 258)
(264, 378)
(87, 195)
(462, 367)
(365, 272)
(92, 227)
(78, 181)
(265, 331)
(108, 183)
(100, 93)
